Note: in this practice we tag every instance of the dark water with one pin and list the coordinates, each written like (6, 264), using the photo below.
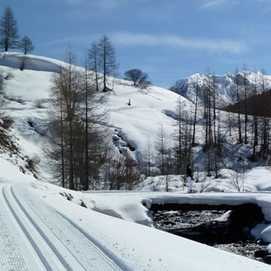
(217, 228)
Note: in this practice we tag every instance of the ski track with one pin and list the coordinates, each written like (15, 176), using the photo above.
(57, 242)
(11, 255)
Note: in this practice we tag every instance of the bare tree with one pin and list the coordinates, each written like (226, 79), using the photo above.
(245, 107)
(94, 63)
(255, 122)
(237, 81)
(8, 30)
(138, 77)
(195, 113)
(179, 138)
(87, 89)
(66, 89)
(108, 60)
(162, 150)
(26, 45)
(183, 138)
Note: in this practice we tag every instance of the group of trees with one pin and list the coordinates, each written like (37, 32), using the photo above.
(9, 37)
(83, 157)
(79, 153)
(246, 121)
(102, 61)
(252, 114)
(172, 153)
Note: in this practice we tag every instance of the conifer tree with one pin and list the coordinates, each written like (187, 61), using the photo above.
(8, 30)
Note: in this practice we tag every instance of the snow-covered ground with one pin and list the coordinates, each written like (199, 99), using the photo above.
(41, 230)
(257, 179)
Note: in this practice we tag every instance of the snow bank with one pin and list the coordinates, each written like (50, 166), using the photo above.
(254, 180)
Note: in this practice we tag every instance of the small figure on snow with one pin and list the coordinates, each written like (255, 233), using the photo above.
(189, 178)
(129, 103)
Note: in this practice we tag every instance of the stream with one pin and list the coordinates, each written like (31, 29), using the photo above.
(224, 227)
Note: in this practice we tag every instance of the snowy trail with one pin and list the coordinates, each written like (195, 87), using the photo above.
(51, 241)
(79, 244)
(39, 242)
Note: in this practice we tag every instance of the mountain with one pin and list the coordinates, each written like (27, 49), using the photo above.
(224, 84)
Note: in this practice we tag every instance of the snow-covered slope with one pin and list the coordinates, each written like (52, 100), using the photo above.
(137, 125)
(31, 62)
(26, 96)
(140, 123)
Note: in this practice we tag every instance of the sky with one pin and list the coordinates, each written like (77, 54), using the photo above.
(168, 39)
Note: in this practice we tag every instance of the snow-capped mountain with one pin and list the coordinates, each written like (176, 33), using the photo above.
(225, 85)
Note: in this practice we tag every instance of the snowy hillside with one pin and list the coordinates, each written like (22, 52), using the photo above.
(224, 84)
(133, 127)
(140, 123)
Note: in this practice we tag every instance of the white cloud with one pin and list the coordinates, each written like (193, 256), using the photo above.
(212, 3)
(213, 45)
(100, 4)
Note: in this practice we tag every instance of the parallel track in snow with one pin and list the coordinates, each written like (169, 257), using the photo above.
(45, 248)
(116, 263)
(86, 249)
(50, 244)
(26, 232)
(58, 242)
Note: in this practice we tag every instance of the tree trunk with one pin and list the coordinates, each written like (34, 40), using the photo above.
(86, 184)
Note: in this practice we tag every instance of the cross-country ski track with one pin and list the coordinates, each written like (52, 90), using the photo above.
(37, 237)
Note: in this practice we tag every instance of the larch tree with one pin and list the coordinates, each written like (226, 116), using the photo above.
(237, 82)
(197, 87)
(162, 150)
(66, 90)
(107, 57)
(8, 30)
(246, 85)
(26, 45)
(94, 63)
(255, 121)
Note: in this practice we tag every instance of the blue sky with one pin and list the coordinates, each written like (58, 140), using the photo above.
(169, 39)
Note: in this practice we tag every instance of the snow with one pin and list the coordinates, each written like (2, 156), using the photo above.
(132, 246)
(28, 85)
(137, 245)
(141, 122)
(224, 84)
(47, 232)
(32, 62)
(254, 180)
